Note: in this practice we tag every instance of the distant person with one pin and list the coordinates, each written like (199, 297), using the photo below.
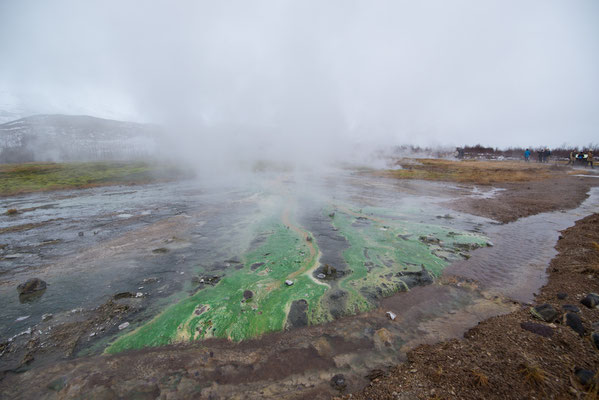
(590, 158)
(546, 155)
(572, 158)
(460, 151)
(540, 155)
(527, 155)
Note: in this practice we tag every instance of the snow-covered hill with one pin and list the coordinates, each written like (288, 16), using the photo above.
(74, 138)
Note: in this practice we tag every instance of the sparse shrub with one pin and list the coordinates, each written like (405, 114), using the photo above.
(533, 374)
(12, 211)
(480, 378)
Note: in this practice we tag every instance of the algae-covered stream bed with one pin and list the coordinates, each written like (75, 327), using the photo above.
(254, 275)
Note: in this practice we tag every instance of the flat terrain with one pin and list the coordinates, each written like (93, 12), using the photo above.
(496, 356)
(38, 177)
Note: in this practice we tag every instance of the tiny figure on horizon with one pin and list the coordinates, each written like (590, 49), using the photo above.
(460, 151)
(546, 155)
(540, 155)
(527, 155)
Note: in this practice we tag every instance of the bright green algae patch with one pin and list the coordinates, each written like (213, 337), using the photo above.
(385, 255)
(222, 311)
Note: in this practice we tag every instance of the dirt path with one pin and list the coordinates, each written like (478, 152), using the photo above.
(500, 359)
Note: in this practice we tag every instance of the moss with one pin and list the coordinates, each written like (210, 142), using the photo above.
(25, 178)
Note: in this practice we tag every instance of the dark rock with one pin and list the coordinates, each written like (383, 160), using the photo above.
(57, 384)
(160, 250)
(595, 339)
(562, 295)
(248, 294)
(332, 215)
(81, 234)
(571, 308)
(591, 300)
(538, 329)
(123, 295)
(309, 238)
(255, 266)
(417, 278)
(573, 321)
(328, 270)
(584, 376)
(544, 312)
(338, 382)
(375, 374)
(32, 285)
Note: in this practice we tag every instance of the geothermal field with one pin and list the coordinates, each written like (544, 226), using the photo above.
(282, 283)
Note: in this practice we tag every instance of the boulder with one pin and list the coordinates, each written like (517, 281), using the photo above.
(570, 308)
(573, 321)
(584, 376)
(248, 294)
(591, 300)
(544, 312)
(31, 285)
(562, 295)
(595, 339)
(539, 329)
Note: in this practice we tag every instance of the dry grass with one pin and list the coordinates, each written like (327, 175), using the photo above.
(480, 379)
(474, 171)
(533, 374)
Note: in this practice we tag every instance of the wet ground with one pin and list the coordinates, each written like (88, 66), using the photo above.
(158, 241)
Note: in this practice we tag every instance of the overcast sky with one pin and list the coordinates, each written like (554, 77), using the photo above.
(299, 73)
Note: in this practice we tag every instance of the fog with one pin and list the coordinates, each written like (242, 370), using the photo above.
(311, 80)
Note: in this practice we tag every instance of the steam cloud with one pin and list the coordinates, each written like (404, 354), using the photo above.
(312, 79)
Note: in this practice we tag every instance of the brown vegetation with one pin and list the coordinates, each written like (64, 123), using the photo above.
(475, 171)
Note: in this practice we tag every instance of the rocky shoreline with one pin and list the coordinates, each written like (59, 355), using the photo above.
(518, 355)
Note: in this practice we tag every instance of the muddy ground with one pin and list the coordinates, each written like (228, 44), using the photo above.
(494, 358)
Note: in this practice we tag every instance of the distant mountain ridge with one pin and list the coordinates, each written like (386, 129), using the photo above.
(60, 137)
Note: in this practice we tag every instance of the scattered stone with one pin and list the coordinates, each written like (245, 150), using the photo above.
(248, 294)
(332, 215)
(328, 270)
(206, 280)
(81, 233)
(595, 339)
(123, 326)
(338, 382)
(288, 282)
(255, 266)
(391, 315)
(544, 312)
(562, 296)
(538, 329)
(57, 384)
(571, 308)
(23, 318)
(321, 276)
(375, 374)
(584, 376)
(160, 250)
(123, 295)
(47, 317)
(309, 238)
(573, 321)
(150, 280)
(591, 300)
(31, 285)
(139, 294)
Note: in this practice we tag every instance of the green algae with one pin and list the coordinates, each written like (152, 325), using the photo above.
(383, 251)
(222, 311)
